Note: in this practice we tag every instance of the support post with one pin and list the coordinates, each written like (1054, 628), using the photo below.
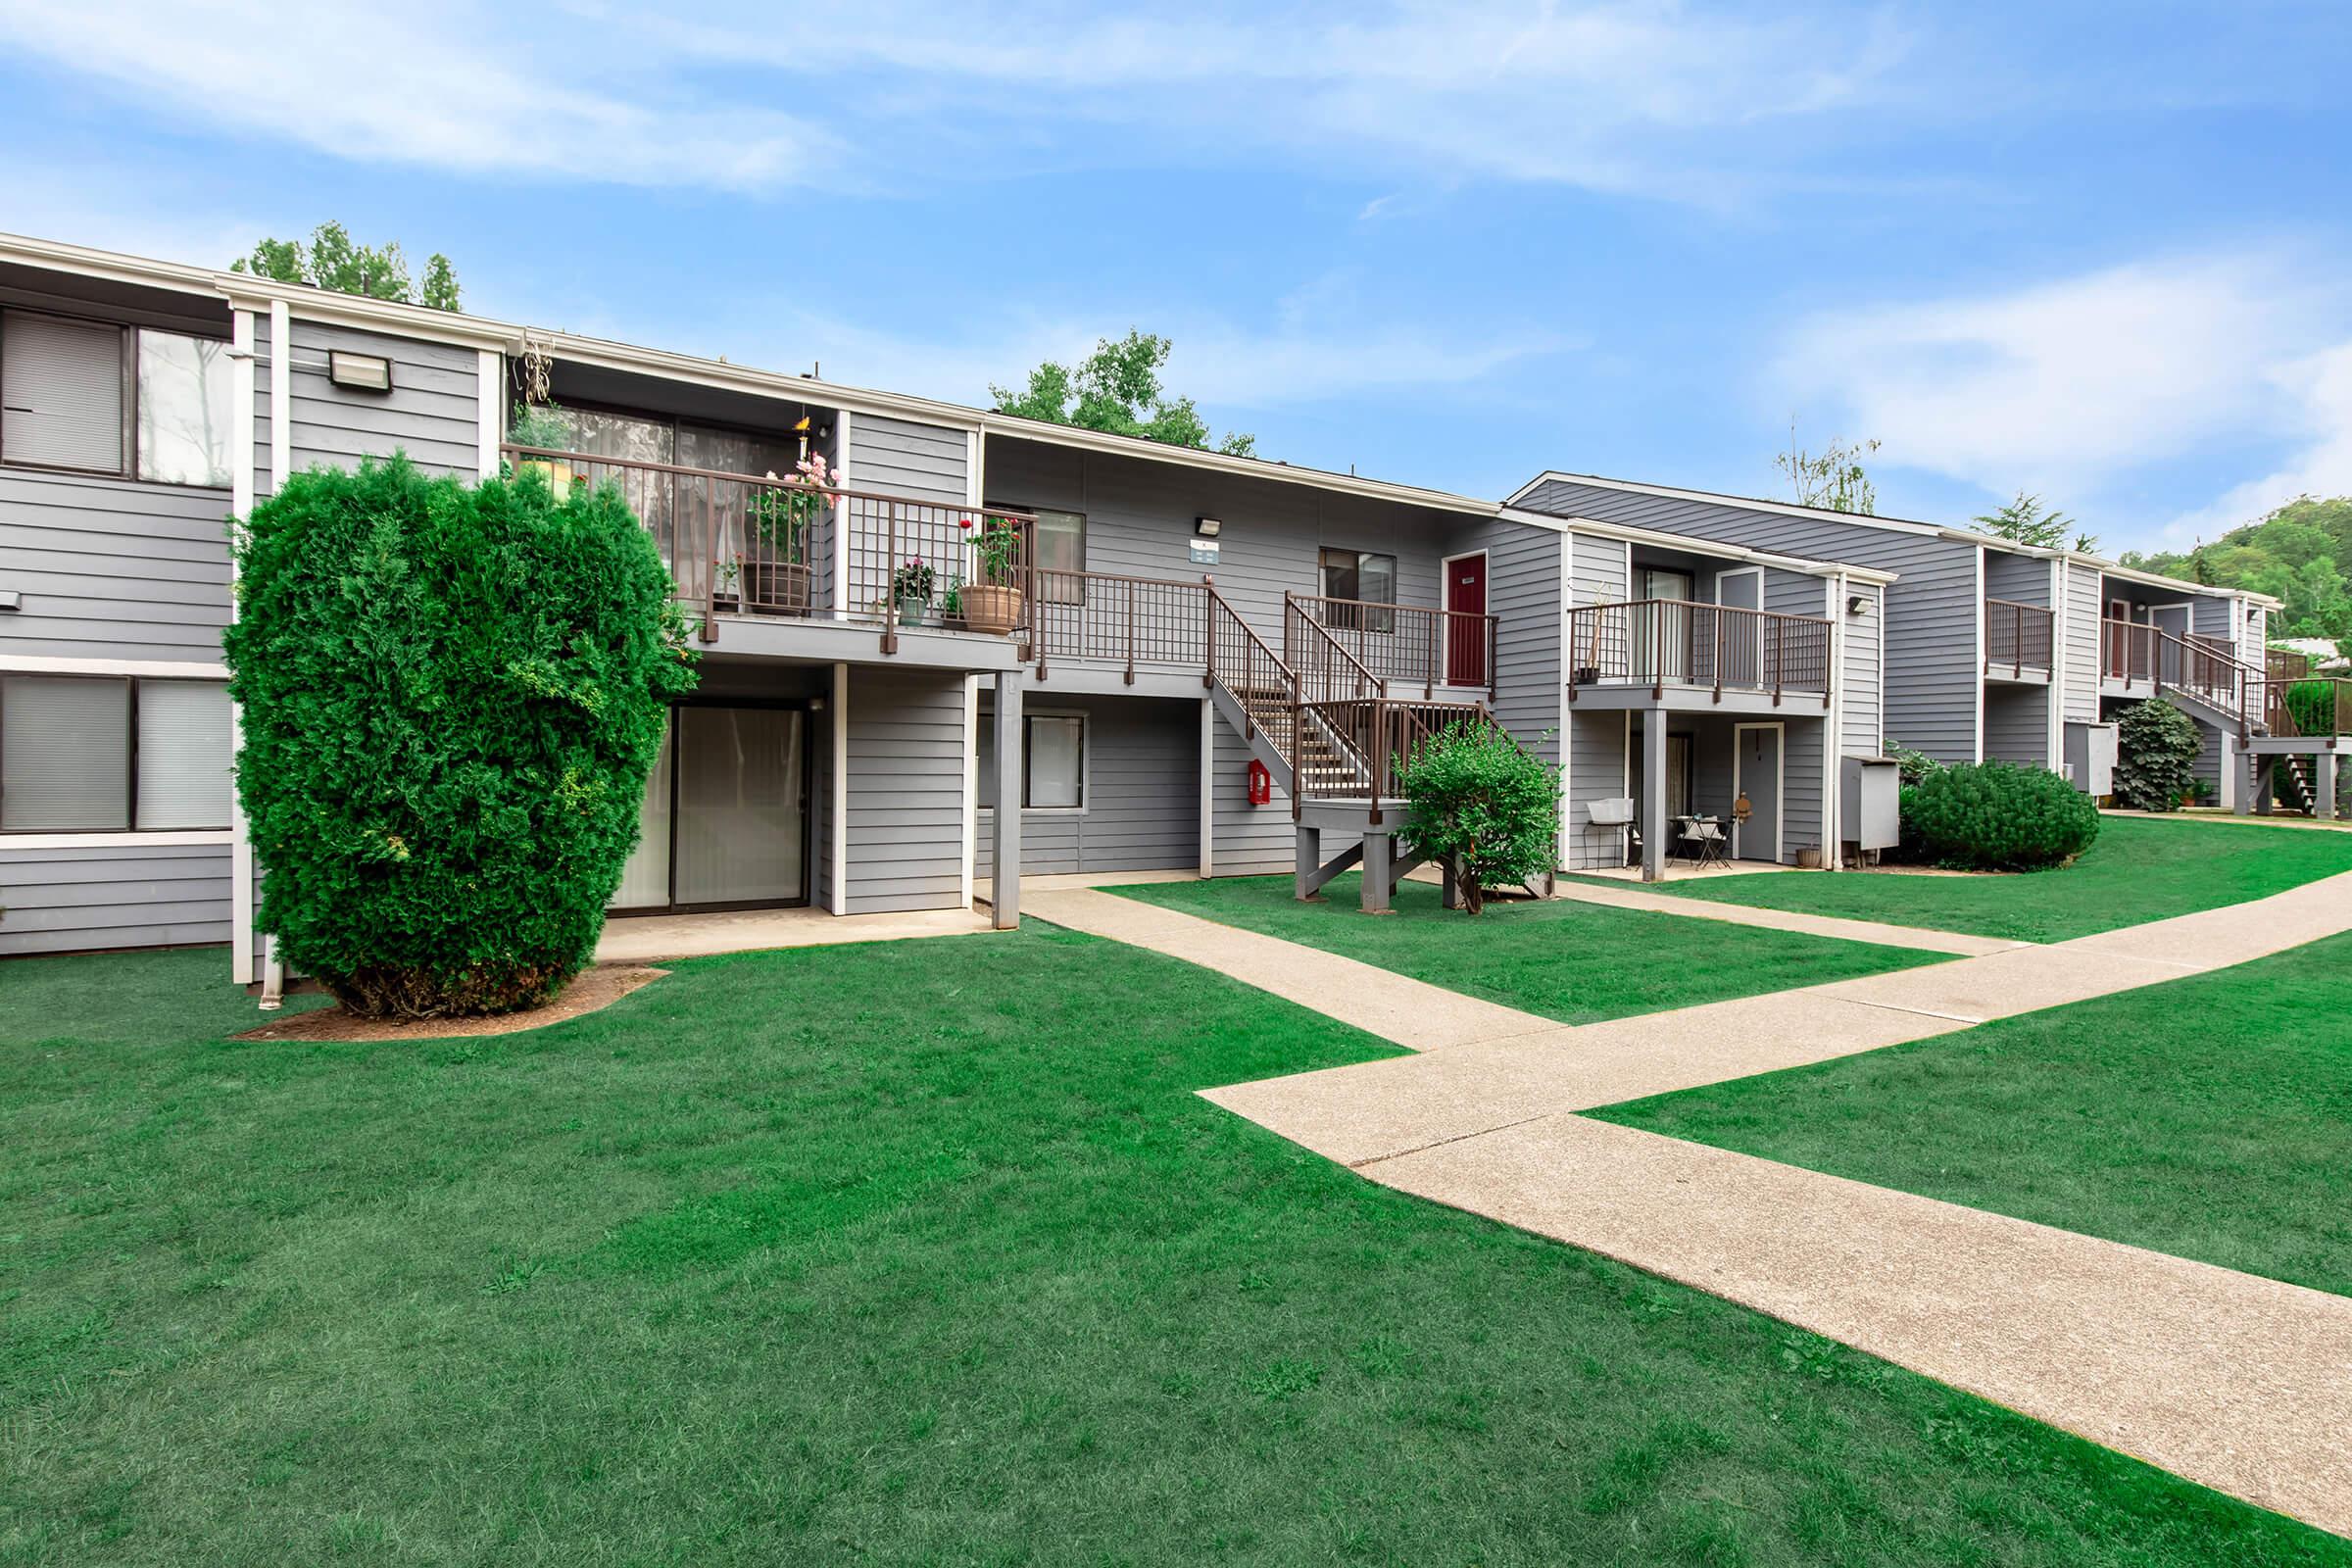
(1005, 896)
(1379, 850)
(2323, 765)
(2249, 783)
(1653, 795)
(1308, 851)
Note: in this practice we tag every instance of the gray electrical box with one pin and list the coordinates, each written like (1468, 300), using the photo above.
(1869, 807)
(2091, 758)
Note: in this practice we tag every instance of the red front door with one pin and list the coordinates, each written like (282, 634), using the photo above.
(1467, 627)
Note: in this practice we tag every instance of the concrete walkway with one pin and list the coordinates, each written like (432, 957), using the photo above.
(651, 938)
(2238, 1383)
(1819, 925)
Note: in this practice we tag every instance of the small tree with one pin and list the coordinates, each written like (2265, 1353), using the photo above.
(1833, 479)
(1483, 805)
(1116, 389)
(2027, 521)
(2157, 747)
(451, 698)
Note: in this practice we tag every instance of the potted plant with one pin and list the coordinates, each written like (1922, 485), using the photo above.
(950, 608)
(910, 589)
(547, 427)
(780, 518)
(993, 604)
(727, 595)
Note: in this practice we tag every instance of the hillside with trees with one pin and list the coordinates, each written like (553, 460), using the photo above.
(2299, 554)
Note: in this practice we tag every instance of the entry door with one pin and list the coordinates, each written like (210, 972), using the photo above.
(1740, 639)
(1756, 775)
(725, 817)
(2172, 622)
(1467, 639)
(2119, 639)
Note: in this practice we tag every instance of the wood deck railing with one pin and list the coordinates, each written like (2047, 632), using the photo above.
(2017, 636)
(1677, 642)
(1140, 622)
(2306, 707)
(1411, 645)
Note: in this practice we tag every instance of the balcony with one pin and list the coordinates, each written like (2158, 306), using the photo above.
(1679, 648)
(2018, 642)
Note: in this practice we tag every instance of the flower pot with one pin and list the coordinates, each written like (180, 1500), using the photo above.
(775, 588)
(1586, 675)
(992, 607)
(912, 610)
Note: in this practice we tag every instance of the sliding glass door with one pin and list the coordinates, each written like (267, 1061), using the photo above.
(725, 820)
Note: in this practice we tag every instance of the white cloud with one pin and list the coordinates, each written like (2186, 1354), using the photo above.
(2073, 387)
(1659, 97)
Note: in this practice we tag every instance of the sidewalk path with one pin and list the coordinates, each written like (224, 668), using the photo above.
(2238, 1383)
(1819, 925)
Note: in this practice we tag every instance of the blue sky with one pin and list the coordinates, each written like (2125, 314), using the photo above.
(2095, 250)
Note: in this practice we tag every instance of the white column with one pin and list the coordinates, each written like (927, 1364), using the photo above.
(843, 609)
(240, 480)
(1208, 787)
(490, 400)
(1004, 899)
(839, 901)
(972, 784)
(1653, 794)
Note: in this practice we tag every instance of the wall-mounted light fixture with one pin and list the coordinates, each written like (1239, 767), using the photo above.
(1207, 528)
(362, 373)
(1855, 604)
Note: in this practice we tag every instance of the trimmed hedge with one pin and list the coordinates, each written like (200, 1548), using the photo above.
(1996, 816)
(2156, 753)
(452, 696)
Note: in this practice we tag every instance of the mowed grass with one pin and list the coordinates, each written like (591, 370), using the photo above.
(2209, 1118)
(1577, 963)
(919, 1252)
(2141, 869)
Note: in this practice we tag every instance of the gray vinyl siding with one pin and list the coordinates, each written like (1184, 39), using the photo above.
(1246, 840)
(1861, 681)
(63, 900)
(1596, 771)
(2016, 722)
(1143, 791)
(1523, 574)
(1801, 795)
(906, 748)
(1933, 676)
(1140, 519)
(432, 411)
(113, 568)
(1598, 570)
(2253, 635)
(2020, 579)
(900, 458)
(2083, 611)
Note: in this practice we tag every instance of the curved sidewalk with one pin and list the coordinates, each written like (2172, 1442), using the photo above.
(2240, 1383)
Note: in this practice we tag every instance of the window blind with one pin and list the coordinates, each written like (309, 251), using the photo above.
(1057, 774)
(183, 755)
(61, 392)
(65, 754)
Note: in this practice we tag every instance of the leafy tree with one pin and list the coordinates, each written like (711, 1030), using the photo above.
(1117, 389)
(2157, 747)
(1482, 805)
(1997, 816)
(1833, 479)
(452, 696)
(2028, 523)
(332, 261)
(2298, 554)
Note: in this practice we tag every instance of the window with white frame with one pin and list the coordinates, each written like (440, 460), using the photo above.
(1053, 761)
(82, 754)
(98, 397)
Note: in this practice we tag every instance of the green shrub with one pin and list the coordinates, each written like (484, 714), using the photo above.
(1483, 805)
(2310, 703)
(452, 696)
(2156, 750)
(1996, 816)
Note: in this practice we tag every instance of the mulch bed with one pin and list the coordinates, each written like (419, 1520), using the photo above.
(595, 988)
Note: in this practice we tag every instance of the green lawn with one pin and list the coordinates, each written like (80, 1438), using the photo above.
(2209, 1118)
(1577, 963)
(2139, 869)
(913, 1252)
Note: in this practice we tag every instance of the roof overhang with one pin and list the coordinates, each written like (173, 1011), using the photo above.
(1693, 545)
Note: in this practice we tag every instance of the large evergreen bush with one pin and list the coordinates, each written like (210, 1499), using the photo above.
(1479, 802)
(2156, 753)
(452, 696)
(1996, 816)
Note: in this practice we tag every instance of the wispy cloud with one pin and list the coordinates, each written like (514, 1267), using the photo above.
(2072, 387)
(1658, 97)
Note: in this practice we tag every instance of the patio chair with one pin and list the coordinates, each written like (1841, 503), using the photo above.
(1708, 835)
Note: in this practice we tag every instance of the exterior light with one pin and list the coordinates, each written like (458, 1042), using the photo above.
(1855, 604)
(362, 373)
(1207, 528)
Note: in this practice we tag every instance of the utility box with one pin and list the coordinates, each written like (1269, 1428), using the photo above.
(2090, 751)
(1870, 802)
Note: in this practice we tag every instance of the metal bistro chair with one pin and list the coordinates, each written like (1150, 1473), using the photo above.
(1706, 832)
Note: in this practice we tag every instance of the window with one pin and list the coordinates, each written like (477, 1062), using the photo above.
(1358, 574)
(1053, 761)
(183, 408)
(101, 755)
(1061, 546)
(108, 399)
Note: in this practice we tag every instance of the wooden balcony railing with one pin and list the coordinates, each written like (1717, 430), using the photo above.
(1137, 621)
(1327, 667)
(2128, 650)
(739, 543)
(1676, 642)
(2017, 636)
(1411, 645)
(2309, 707)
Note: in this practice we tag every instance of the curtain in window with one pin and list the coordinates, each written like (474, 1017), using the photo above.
(65, 754)
(61, 392)
(645, 880)
(185, 757)
(1061, 546)
(727, 452)
(1056, 775)
(183, 409)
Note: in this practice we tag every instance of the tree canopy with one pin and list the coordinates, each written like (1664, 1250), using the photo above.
(1117, 389)
(2298, 554)
(2027, 521)
(333, 260)
(1832, 478)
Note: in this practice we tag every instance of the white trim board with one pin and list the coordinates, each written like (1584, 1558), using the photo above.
(1445, 595)
(172, 838)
